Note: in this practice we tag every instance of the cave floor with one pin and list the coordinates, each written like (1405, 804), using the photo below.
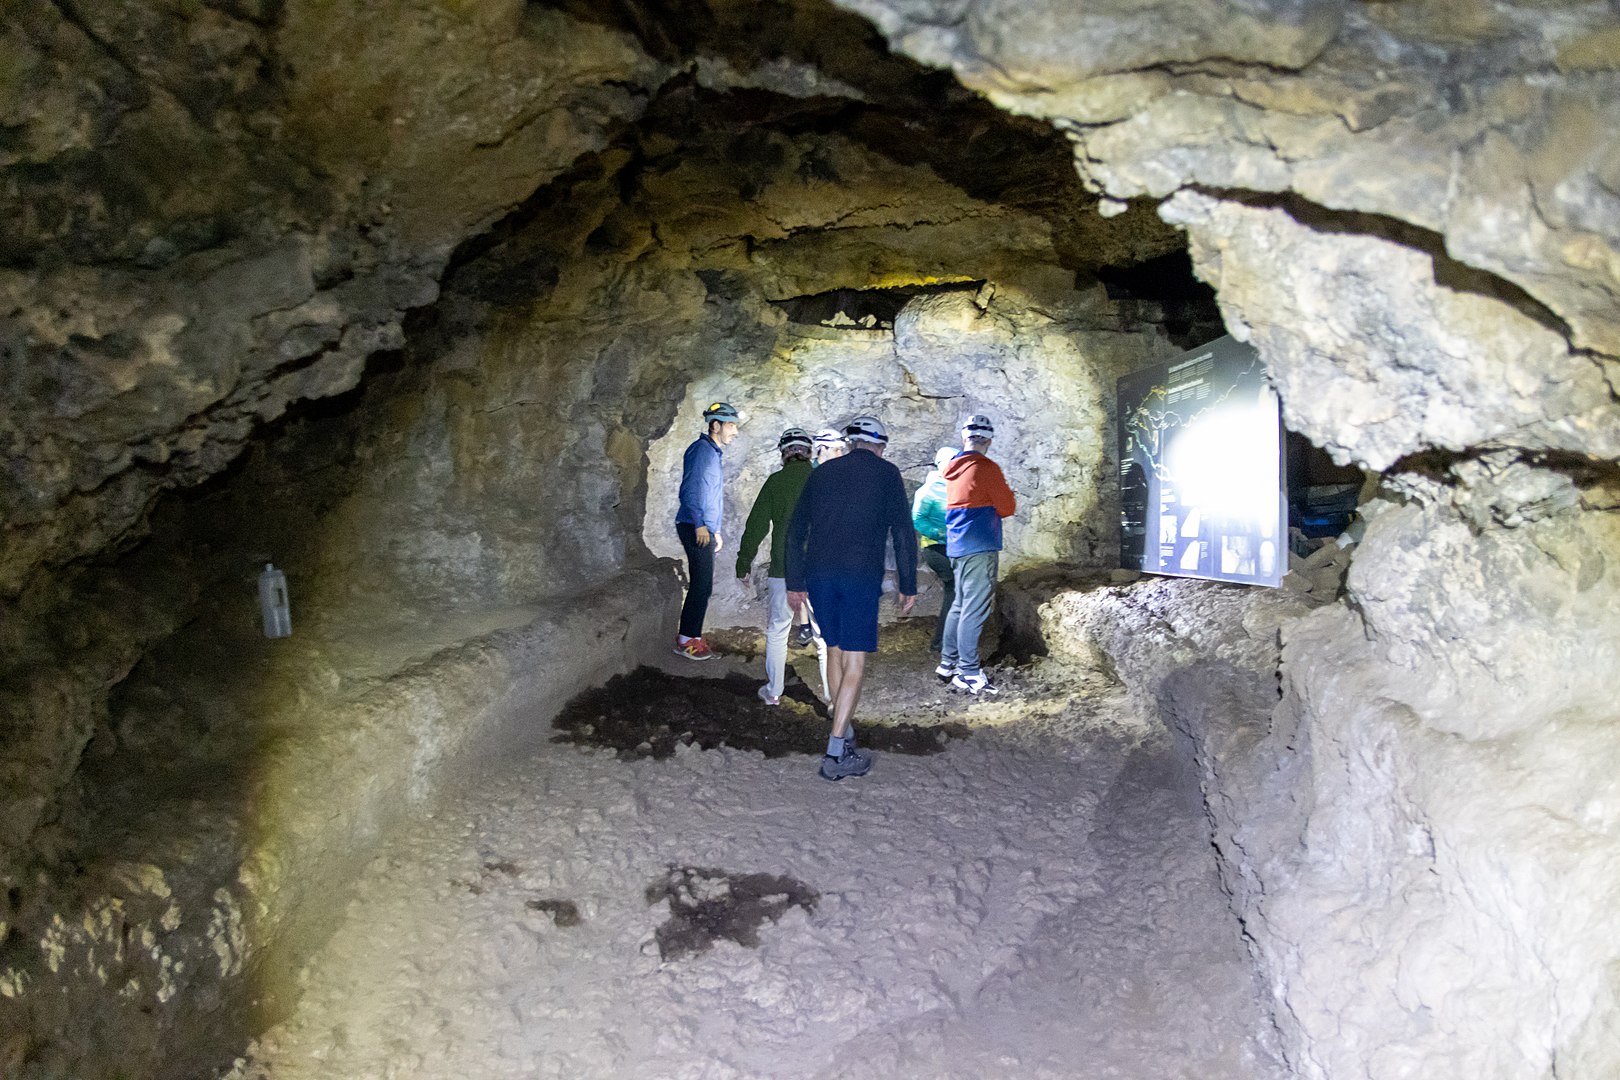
(1038, 899)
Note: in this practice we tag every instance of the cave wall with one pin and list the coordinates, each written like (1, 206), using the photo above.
(570, 361)
(185, 800)
(1409, 210)
(212, 214)
(1416, 828)
(219, 211)
(1043, 371)
(1465, 722)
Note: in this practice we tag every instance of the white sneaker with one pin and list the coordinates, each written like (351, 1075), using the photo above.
(767, 697)
(945, 671)
(975, 684)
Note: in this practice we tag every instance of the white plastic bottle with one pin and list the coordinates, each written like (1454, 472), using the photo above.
(273, 602)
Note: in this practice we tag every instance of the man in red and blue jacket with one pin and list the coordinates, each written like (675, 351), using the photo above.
(977, 498)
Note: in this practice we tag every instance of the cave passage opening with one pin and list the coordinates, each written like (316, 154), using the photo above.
(523, 443)
(428, 321)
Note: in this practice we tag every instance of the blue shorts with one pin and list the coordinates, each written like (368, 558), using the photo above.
(846, 609)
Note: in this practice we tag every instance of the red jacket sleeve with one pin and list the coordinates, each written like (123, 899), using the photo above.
(1001, 496)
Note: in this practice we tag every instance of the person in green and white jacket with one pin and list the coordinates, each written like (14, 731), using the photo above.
(928, 517)
(772, 510)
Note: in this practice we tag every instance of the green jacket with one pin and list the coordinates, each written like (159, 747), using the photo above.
(773, 509)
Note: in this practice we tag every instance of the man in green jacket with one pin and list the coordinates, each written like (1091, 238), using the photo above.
(773, 509)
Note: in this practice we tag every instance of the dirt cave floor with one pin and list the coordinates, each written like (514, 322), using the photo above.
(1022, 888)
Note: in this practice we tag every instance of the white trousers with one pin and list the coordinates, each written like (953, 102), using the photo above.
(777, 628)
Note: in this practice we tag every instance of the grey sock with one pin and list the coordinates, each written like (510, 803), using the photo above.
(835, 746)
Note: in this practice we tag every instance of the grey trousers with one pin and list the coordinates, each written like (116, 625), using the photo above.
(975, 589)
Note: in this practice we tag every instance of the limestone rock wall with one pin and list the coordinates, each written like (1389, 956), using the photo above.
(490, 472)
(1491, 110)
(212, 213)
(1417, 828)
(1409, 210)
(568, 363)
(218, 213)
(1458, 795)
(229, 855)
(1043, 372)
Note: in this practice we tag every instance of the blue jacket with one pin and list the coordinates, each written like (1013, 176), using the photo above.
(703, 494)
(849, 510)
(928, 508)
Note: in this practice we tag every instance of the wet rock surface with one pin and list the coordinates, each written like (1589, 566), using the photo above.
(1333, 776)
(564, 913)
(649, 713)
(708, 905)
(1038, 901)
(203, 877)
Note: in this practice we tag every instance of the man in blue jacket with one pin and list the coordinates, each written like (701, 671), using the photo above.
(850, 509)
(698, 523)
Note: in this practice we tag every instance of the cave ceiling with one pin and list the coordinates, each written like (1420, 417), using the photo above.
(216, 209)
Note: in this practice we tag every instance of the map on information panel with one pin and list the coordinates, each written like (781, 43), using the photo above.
(1201, 468)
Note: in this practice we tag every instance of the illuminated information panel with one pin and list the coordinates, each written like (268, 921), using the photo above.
(1201, 468)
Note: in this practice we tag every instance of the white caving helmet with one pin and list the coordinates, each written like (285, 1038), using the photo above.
(978, 426)
(828, 441)
(944, 456)
(867, 429)
(794, 440)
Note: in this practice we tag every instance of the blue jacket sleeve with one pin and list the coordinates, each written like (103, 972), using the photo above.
(714, 492)
(688, 512)
(702, 487)
(905, 537)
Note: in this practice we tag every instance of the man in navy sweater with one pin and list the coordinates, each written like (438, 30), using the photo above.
(697, 522)
(850, 509)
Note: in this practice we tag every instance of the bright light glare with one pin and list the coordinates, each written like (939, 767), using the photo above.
(1225, 464)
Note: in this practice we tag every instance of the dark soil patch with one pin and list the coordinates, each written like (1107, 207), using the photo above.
(491, 867)
(563, 913)
(707, 904)
(648, 713)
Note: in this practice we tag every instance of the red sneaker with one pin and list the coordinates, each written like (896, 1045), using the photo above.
(695, 649)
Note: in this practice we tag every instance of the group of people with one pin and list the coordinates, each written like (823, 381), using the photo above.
(832, 511)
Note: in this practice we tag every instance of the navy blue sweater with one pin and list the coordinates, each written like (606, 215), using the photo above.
(849, 509)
